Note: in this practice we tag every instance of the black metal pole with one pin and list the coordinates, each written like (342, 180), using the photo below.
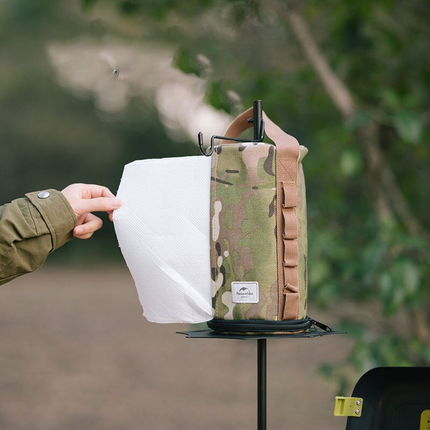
(258, 115)
(262, 383)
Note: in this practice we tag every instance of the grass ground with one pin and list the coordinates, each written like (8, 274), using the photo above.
(76, 353)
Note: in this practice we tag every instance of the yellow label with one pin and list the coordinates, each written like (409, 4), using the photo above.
(425, 420)
(348, 406)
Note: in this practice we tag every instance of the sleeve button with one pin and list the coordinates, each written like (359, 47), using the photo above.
(43, 195)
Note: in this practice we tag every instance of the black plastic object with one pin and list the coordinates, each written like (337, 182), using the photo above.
(259, 326)
(262, 326)
(394, 398)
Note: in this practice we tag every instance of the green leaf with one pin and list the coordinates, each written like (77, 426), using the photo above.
(390, 99)
(217, 95)
(188, 62)
(350, 163)
(408, 126)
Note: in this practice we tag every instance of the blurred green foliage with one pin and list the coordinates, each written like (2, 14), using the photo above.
(50, 138)
(368, 263)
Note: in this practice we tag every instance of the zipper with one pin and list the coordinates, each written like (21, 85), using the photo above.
(320, 325)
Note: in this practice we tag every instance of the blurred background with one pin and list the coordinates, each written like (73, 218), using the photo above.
(88, 86)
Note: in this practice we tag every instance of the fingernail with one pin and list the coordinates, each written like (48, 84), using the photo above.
(78, 230)
(116, 203)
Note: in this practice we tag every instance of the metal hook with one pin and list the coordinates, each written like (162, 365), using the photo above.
(205, 152)
(208, 151)
(256, 120)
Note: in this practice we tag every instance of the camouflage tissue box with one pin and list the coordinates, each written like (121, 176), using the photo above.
(258, 232)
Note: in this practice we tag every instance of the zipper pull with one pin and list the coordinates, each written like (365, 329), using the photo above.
(321, 325)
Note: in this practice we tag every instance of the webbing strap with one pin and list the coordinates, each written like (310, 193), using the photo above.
(287, 160)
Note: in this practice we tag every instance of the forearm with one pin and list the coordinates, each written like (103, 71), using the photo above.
(31, 228)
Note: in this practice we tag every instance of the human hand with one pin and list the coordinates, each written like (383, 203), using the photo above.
(84, 199)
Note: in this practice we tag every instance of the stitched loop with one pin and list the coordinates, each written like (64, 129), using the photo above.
(289, 194)
(291, 253)
(290, 223)
(291, 275)
(292, 306)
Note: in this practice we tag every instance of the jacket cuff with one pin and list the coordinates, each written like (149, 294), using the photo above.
(57, 214)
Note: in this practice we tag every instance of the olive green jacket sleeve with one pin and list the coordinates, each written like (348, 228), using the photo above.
(30, 228)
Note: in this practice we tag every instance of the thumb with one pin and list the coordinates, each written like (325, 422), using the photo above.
(99, 204)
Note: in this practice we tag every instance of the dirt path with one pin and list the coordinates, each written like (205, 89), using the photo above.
(76, 353)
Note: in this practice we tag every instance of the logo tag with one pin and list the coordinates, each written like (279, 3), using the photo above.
(244, 292)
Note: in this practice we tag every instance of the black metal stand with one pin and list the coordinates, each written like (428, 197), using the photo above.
(261, 359)
(315, 330)
(261, 384)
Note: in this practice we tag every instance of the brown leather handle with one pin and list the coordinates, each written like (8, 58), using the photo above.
(239, 125)
(276, 134)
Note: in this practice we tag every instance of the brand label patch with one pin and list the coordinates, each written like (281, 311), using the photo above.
(244, 292)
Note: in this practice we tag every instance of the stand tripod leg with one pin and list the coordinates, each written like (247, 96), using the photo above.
(262, 383)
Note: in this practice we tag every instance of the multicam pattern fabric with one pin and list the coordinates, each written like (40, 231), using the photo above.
(243, 230)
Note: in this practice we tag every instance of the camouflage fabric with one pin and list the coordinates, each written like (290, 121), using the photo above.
(243, 231)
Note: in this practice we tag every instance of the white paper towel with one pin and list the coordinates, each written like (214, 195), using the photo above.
(163, 231)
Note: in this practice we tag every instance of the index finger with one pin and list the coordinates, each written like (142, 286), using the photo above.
(92, 191)
(98, 204)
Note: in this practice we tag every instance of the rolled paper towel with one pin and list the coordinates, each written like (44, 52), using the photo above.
(163, 232)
